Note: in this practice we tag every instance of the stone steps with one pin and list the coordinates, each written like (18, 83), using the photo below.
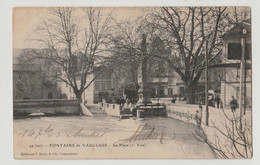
(126, 114)
(96, 110)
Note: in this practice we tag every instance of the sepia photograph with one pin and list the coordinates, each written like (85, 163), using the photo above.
(132, 82)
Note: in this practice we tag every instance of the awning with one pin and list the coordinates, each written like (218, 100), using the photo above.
(229, 65)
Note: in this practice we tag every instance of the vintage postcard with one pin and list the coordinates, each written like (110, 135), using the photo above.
(132, 83)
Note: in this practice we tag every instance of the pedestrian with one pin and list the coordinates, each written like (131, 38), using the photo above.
(104, 100)
(218, 101)
(127, 104)
(198, 116)
(118, 101)
(122, 101)
(173, 99)
(211, 101)
(233, 104)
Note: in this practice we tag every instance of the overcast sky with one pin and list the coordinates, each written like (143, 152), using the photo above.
(25, 20)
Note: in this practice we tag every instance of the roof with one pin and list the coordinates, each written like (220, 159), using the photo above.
(236, 31)
(98, 68)
(27, 67)
(229, 65)
(16, 55)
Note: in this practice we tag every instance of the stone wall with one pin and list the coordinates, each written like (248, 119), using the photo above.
(182, 112)
(49, 107)
(187, 112)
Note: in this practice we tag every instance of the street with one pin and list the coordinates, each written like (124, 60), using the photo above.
(148, 138)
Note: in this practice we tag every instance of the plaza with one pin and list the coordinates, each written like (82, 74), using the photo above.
(177, 142)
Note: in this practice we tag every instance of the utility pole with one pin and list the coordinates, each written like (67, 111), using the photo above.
(206, 85)
(245, 87)
(244, 59)
(242, 74)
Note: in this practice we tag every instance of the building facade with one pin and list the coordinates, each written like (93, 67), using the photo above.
(106, 85)
(230, 86)
(30, 82)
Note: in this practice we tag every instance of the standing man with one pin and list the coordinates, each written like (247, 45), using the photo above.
(233, 104)
(218, 101)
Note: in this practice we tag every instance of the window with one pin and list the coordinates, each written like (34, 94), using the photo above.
(97, 86)
(170, 91)
(234, 51)
(103, 86)
(181, 90)
(108, 86)
(108, 75)
(49, 95)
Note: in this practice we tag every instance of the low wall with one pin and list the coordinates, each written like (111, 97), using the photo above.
(152, 109)
(111, 109)
(186, 112)
(220, 125)
(183, 112)
(117, 110)
(51, 107)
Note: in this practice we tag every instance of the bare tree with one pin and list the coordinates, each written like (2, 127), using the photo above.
(230, 140)
(125, 49)
(73, 44)
(186, 30)
(238, 14)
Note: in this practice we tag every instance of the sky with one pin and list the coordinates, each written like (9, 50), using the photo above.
(25, 20)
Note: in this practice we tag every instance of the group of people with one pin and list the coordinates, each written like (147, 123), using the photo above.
(213, 102)
(122, 100)
(233, 104)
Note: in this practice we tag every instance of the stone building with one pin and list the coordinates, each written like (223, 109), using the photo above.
(30, 82)
(106, 85)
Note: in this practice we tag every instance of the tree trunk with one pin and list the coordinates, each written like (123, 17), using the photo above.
(79, 96)
(191, 91)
